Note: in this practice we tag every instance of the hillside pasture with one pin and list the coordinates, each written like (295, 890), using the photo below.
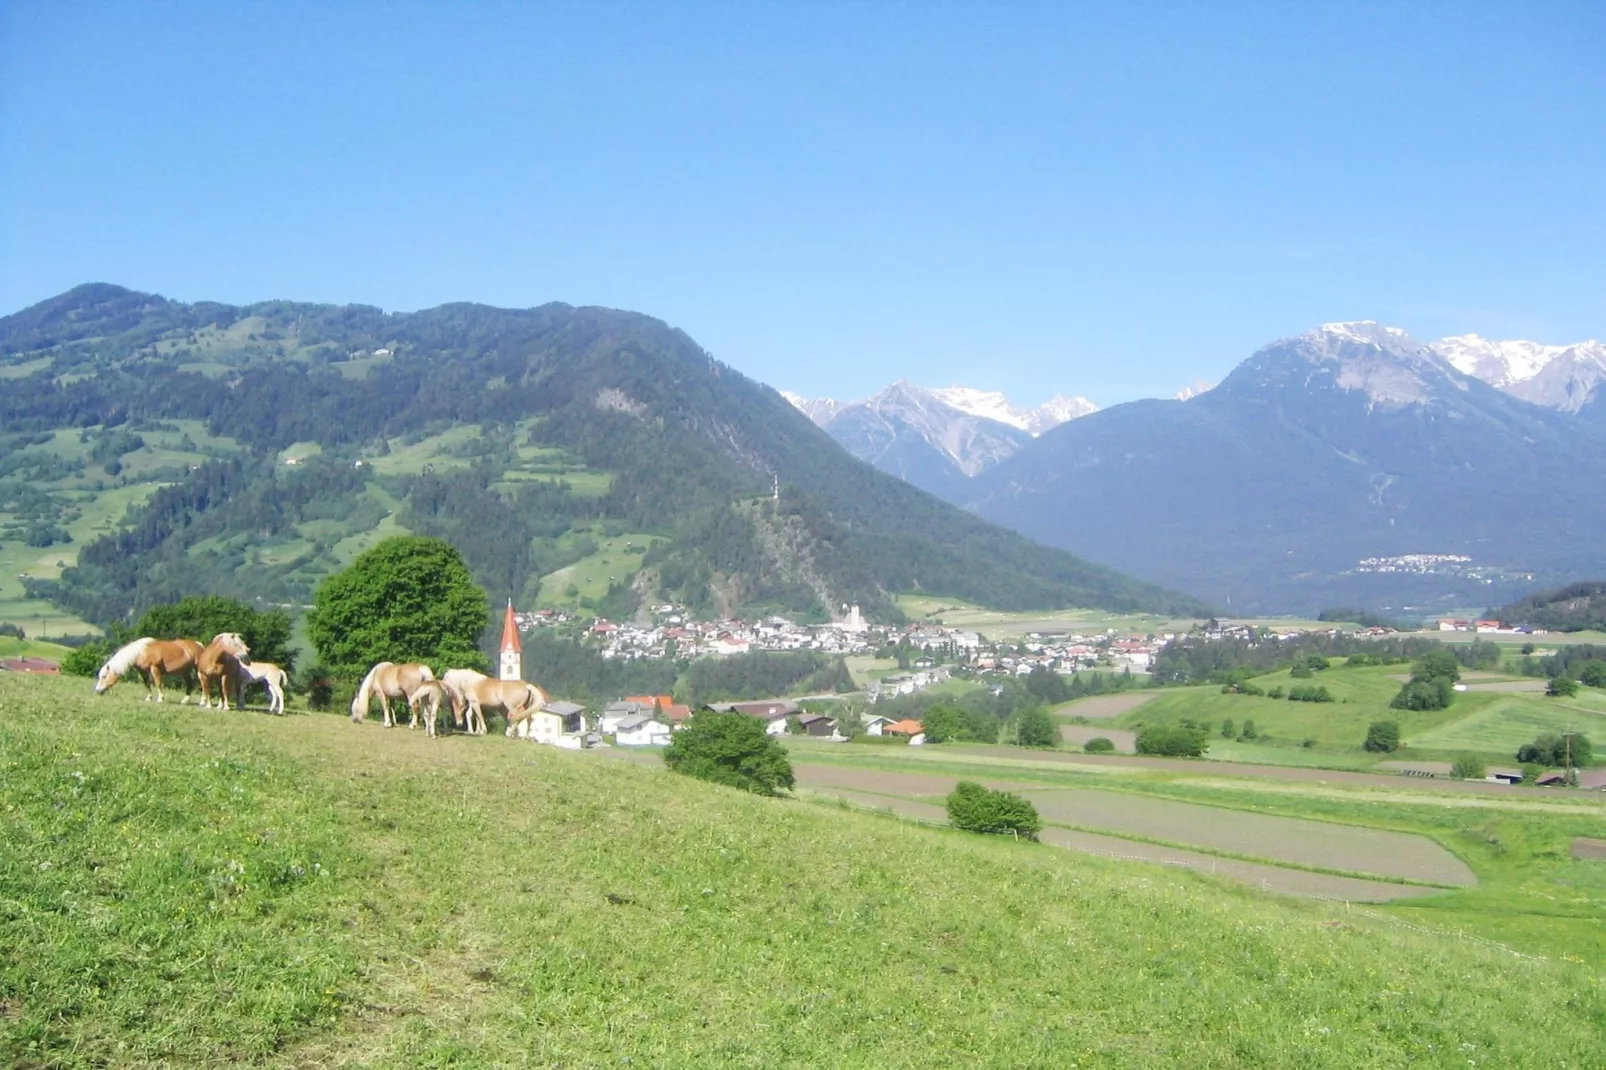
(189, 888)
(1499, 728)
(1105, 707)
(1124, 740)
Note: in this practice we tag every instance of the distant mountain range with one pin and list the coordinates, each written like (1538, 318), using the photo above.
(937, 439)
(1564, 377)
(1347, 465)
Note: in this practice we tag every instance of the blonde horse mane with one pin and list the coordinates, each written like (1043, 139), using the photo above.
(123, 658)
(359, 705)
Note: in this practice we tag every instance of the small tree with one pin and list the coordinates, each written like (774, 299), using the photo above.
(732, 749)
(1249, 730)
(1228, 728)
(1467, 767)
(1561, 687)
(405, 599)
(1098, 745)
(978, 809)
(1382, 737)
(1593, 673)
(943, 724)
(1036, 729)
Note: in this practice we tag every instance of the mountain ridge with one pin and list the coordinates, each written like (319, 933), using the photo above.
(558, 441)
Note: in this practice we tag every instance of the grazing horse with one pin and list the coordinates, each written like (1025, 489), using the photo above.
(427, 699)
(388, 680)
(153, 658)
(515, 698)
(220, 663)
(269, 675)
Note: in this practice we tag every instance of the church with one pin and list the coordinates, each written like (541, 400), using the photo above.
(511, 665)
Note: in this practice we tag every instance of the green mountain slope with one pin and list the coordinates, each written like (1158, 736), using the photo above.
(575, 455)
(1576, 607)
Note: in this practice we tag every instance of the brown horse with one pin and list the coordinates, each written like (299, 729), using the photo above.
(153, 658)
(388, 680)
(516, 699)
(220, 663)
(426, 701)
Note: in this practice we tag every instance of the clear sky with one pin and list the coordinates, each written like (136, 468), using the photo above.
(1109, 200)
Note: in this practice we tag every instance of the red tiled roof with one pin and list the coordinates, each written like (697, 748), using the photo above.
(905, 728)
(30, 665)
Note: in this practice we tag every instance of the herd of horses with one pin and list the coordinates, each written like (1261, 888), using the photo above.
(225, 665)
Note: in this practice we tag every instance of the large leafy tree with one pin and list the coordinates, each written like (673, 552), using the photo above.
(406, 599)
(733, 749)
(267, 633)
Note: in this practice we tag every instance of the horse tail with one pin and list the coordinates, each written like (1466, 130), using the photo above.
(359, 705)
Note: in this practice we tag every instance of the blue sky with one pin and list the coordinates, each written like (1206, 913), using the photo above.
(1109, 200)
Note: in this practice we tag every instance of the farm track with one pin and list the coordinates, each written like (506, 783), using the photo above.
(1267, 878)
(1267, 772)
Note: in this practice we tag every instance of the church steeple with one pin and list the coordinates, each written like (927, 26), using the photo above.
(512, 650)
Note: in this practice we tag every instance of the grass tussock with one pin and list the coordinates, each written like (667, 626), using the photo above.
(187, 887)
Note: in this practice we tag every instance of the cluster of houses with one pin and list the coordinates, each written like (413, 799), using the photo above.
(1481, 627)
(671, 632)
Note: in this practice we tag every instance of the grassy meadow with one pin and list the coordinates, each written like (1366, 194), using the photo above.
(184, 887)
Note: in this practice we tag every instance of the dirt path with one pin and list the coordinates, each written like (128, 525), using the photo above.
(1105, 707)
(1265, 877)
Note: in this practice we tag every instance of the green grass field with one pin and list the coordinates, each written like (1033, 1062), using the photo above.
(185, 887)
(11, 647)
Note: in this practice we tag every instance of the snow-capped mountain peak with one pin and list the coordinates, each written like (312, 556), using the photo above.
(1565, 377)
(994, 405)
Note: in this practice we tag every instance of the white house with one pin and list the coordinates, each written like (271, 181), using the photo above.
(615, 712)
(542, 726)
(640, 730)
(874, 723)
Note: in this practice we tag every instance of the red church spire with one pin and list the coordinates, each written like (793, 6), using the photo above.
(510, 632)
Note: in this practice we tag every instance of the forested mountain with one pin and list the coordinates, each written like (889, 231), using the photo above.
(576, 455)
(1348, 465)
(1576, 607)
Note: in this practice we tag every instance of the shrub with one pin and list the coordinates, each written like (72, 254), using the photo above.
(1228, 729)
(1176, 741)
(1249, 731)
(978, 809)
(1276, 692)
(1467, 767)
(1593, 673)
(87, 659)
(1382, 737)
(1301, 671)
(1432, 683)
(1098, 745)
(1036, 729)
(731, 749)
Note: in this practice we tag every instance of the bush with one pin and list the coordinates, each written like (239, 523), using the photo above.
(1306, 693)
(1467, 767)
(1276, 692)
(1382, 737)
(87, 659)
(1593, 673)
(1175, 741)
(1228, 730)
(1098, 745)
(1037, 729)
(978, 809)
(1432, 683)
(732, 749)
(1561, 687)
(1249, 731)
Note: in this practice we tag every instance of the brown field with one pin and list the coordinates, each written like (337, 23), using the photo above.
(1265, 877)
(1104, 707)
(1283, 839)
(1124, 740)
(1585, 847)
